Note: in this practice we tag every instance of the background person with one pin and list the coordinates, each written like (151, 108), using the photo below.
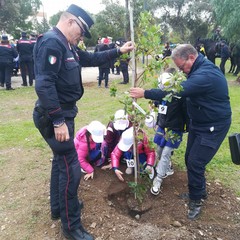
(59, 87)
(209, 111)
(25, 50)
(104, 69)
(225, 55)
(7, 55)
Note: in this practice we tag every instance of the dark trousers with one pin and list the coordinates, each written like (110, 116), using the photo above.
(222, 64)
(65, 176)
(26, 66)
(202, 145)
(125, 75)
(103, 74)
(6, 74)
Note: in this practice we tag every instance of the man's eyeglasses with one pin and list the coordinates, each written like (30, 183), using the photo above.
(181, 67)
(82, 30)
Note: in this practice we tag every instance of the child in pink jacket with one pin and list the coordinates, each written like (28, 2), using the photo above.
(88, 145)
(124, 147)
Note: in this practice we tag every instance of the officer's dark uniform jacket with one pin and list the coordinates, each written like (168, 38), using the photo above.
(7, 53)
(206, 92)
(58, 77)
(25, 49)
(104, 47)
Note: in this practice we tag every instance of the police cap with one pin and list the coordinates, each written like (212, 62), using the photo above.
(4, 38)
(82, 16)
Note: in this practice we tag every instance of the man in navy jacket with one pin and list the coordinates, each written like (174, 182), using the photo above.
(209, 110)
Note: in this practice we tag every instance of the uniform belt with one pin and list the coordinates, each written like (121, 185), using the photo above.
(68, 106)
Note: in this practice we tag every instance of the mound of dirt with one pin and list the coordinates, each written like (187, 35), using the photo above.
(107, 214)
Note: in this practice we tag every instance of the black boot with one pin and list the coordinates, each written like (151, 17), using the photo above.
(77, 234)
(185, 196)
(194, 209)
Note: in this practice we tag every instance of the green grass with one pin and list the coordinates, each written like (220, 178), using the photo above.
(18, 131)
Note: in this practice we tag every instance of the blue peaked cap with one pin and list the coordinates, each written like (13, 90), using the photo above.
(4, 38)
(83, 17)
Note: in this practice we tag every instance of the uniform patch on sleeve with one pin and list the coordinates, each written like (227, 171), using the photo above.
(52, 60)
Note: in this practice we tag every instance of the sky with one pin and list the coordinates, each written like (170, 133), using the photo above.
(51, 7)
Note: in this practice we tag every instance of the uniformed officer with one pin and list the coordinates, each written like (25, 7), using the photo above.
(25, 50)
(59, 86)
(7, 54)
(209, 111)
(33, 39)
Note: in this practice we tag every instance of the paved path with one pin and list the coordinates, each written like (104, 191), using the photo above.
(89, 74)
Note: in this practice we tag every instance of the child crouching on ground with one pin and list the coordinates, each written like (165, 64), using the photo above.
(124, 147)
(88, 145)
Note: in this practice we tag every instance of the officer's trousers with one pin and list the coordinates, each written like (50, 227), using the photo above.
(65, 176)
(6, 74)
(26, 66)
(203, 143)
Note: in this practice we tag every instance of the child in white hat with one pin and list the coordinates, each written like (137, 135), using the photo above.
(88, 145)
(124, 147)
(171, 120)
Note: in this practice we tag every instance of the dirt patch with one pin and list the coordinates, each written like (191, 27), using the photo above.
(25, 209)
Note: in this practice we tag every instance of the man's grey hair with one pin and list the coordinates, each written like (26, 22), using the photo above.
(183, 51)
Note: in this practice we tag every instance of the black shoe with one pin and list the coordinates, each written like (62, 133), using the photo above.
(77, 234)
(10, 88)
(185, 196)
(87, 235)
(194, 209)
(2, 85)
(24, 85)
(55, 217)
(122, 83)
(117, 73)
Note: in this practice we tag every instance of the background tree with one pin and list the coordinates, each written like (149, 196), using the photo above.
(42, 27)
(227, 15)
(188, 19)
(14, 14)
(54, 19)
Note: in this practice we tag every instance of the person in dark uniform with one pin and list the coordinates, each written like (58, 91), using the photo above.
(208, 105)
(7, 54)
(104, 69)
(167, 50)
(225, 55)
(58, 87)
(123, 64)
(25, 50)
(33, 39)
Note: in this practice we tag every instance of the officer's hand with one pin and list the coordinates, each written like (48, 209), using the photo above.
(61, 133)
(88, 176)
(136, 92)
(119, 175)
(127, 47)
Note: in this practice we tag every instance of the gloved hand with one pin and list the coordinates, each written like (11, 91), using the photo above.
(88, 176)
